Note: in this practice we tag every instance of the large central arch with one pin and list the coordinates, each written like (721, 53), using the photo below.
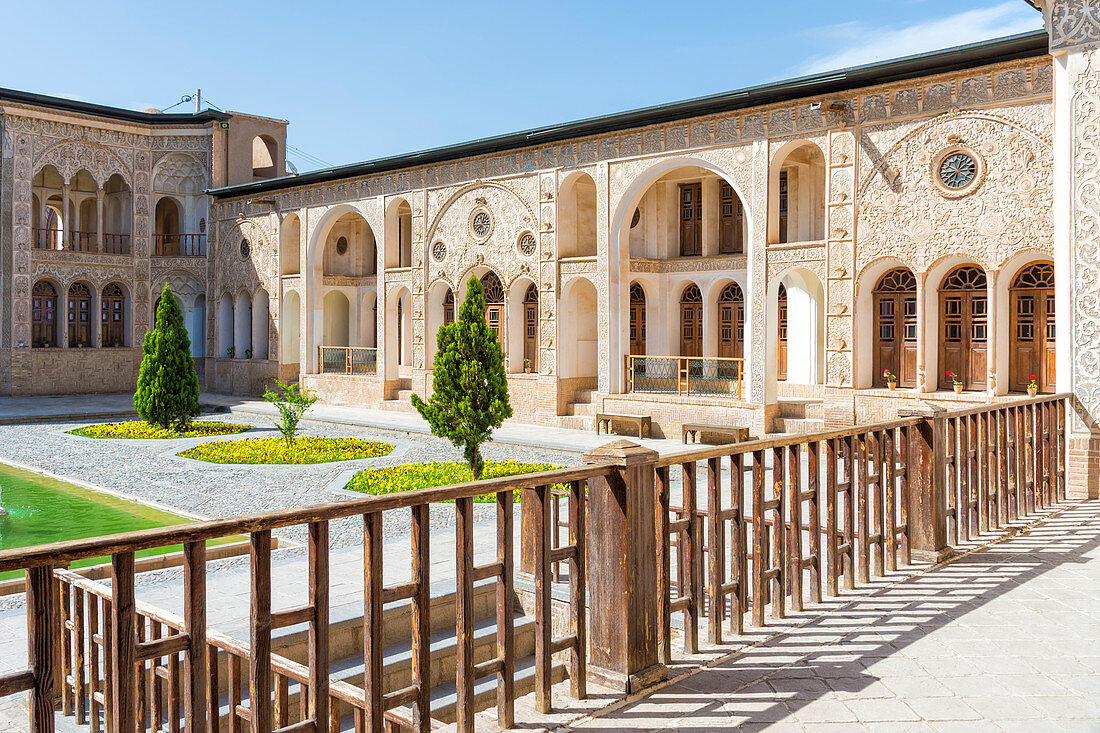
(619, 277)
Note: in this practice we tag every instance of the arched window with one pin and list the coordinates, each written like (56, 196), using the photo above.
(637, 320)
(494, 304)
(895, 312)
(1032, 335)
(691, 219)
(691, 321)
(80, 316)
(449, 307)
(964, 317)
(43, 315)
(264, 156)
(166, 228)
(781, 328)
(112, 316)
(731, 322)
(531, 328)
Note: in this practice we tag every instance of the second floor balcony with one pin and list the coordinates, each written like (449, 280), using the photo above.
(78, 241)
(179, 245)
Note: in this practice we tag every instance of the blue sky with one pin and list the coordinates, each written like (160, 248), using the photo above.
(359, 80)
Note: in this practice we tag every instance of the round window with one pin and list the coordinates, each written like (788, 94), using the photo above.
(481, 224)
(439, 251)
(342, 246)
(527, 244)
(958, 170)
(246, 248)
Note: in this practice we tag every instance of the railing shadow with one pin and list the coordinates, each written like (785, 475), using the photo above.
(849, 646)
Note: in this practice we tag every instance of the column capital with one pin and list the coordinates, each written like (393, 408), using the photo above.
(1070, 23)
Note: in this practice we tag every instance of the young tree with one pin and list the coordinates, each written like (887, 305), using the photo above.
(292, 403)
(469, 388)
(167, 387)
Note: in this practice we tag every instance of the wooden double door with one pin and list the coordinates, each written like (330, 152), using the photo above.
(964, 323)
(1031, 307)
(895, 310)
(731, 322)
(691, 322)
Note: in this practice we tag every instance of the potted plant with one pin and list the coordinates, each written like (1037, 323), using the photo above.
(1032, 386)
(891, 379)
(955, 381)
(248, 353)
(526, 366)
(229, 353)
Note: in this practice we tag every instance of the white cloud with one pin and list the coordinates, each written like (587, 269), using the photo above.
(860, 43)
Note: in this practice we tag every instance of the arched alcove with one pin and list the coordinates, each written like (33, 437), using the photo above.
(290, 245)
(796, 193)
(336, 311)
(576, 228)
(260, 324)
(290, 326)
(578, 346)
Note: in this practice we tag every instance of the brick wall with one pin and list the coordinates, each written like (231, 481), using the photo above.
(248, 377)
(70, 371)
(344, 389)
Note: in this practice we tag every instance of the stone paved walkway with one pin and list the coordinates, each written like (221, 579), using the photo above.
(1006, 638)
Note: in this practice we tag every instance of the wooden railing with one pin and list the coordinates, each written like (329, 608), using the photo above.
(715, 534)
(116, 244)
(121, 656)
(685, 375)
(347, 359)
(179, 245)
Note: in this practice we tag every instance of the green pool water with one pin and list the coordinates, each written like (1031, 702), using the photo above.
(42, 510)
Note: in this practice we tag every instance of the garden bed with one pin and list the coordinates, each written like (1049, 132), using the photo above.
(278, 451)
(395, 479)
(139, 429)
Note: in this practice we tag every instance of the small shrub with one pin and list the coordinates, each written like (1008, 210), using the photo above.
(395, 479)
(167, 391)
(277, 450)
(139, 429)
(292, 403)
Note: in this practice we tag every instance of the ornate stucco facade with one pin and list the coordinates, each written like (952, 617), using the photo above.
(760, 225)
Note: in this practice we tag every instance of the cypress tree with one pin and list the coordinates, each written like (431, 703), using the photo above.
(469, 387)
(167, 392)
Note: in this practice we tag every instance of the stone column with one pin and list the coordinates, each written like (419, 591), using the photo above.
(63, 317)
(66, 225)
(99, 219)
(1074, 29)
(991, 326)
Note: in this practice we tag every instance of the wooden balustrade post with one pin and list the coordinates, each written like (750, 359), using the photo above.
(926, 521)
(122, 651)
(622, 569)
(42, 639)
(194, 615)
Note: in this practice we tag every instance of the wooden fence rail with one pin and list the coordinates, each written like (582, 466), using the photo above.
(714, 534)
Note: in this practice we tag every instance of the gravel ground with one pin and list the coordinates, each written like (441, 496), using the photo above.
(150, 470)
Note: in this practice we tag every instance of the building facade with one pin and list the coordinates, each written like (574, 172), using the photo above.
(772, 257)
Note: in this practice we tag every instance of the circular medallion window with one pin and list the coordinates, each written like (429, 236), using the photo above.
(246, 248)
(481, 224)
(957, 171)
(439, 251)
(342, 246)
(527, 244)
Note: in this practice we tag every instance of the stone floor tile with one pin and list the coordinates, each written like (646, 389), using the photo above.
(882, 710)
(941, 708)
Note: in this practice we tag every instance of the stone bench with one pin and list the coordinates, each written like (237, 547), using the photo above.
(691, 432)
(603, 419)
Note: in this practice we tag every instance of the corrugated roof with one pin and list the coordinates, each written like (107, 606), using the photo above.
(114, 113)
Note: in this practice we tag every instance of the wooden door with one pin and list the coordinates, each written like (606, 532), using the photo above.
(449, 307)
(111, 316)
(637, 320)
(691, 322)
(730, 221)
(895, 311)
(494, 304)
(80, 315)
(531, 328)
(691, 219)
(964, 322)
(781, 327)
(1032, 328)
(731, 322)
(43, 315)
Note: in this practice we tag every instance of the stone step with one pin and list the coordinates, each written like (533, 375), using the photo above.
(802, 408)
(401, 404)
(584, 396)
(798, 425)
(577, 422)
(581, 409)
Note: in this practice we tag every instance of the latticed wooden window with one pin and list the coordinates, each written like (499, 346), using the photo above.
(531, 327)
(449, 307)
(730, 221)
(691, 219)
(80, 315)
(494, 302)
(112, 316)
(783, 204)
(1032, 322)
(691, 321)
(731, 321)
(43, 315)
(637, 320)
